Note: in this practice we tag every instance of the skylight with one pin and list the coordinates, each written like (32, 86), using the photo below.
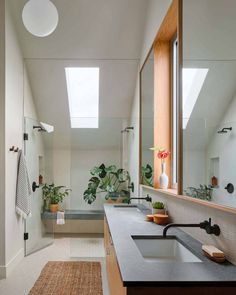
(193, 80)
(83, 96)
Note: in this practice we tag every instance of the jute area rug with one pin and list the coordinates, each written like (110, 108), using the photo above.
(69, 278)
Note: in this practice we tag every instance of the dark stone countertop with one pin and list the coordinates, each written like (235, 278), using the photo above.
(135, 271)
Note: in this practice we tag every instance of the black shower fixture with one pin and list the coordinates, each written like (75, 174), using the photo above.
(127, 129)
(40, 129)
(225, 130)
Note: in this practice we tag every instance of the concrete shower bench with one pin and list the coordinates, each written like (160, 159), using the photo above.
(77, 214)
(76, 221)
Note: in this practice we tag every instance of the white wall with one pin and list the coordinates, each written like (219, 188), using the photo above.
(62, 171)
(223, 146)
(2, 138)
(194, 168)
(12, 243)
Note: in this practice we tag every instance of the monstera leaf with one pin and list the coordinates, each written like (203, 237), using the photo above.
(123, 175)
(147, 175)
(106, 179)
(111, 169)
(89, 196)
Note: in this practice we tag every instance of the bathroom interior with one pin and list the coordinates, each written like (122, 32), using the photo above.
(117, 127)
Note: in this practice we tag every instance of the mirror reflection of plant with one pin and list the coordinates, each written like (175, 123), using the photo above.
(147, 175)
(54, 194)
(106, 179)
(204, 192)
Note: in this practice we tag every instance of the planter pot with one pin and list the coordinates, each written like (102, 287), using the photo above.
(158, 211)
(163, 180)
(54, 208)
(117, 197)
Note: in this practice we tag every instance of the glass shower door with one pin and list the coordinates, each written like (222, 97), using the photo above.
(38, 154)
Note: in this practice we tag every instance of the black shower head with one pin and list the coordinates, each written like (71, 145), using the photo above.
(224, 130)
(127, 129)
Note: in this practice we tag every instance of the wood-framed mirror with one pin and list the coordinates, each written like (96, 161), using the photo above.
(159, 104)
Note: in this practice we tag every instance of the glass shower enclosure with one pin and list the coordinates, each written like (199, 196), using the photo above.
(38, 154)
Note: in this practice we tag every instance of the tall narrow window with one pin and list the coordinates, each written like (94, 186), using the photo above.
(174, 113)
(83, 96)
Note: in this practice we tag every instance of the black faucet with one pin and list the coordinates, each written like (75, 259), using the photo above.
(148, 199)
(210, 229)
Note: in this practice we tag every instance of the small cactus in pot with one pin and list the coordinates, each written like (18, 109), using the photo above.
(158, 208)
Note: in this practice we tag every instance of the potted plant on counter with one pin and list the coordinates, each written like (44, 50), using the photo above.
(54, 195)
(110, 180)
(158, 208)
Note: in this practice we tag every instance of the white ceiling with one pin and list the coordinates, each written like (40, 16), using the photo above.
(103, 33)
(103, 29)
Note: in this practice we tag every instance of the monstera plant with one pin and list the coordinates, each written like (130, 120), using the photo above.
(147, 175)
(109, 180)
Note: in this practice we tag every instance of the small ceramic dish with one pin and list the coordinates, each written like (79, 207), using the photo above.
(160, 219)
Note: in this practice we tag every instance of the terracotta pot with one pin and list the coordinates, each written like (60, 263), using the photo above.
(54, 208)
(161, 219)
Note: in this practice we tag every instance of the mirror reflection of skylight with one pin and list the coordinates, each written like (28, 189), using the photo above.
(193, 80)
(83, 95)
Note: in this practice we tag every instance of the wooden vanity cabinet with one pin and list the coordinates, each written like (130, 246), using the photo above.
(113, 273)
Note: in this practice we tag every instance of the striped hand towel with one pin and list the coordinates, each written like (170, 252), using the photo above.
(23, 188)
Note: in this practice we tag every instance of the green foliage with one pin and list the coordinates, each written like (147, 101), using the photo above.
(204, 192)
(109, 179)
(158, 205)
(147, 175)
(54, 194)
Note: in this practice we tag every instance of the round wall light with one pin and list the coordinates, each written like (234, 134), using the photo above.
(40, 17)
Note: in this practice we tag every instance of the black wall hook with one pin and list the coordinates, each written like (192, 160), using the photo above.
(13, 149)
(34, 186)
(230, 188)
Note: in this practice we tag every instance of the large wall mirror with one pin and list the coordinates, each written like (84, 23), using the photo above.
(209, 101)
(158, 96)
(147, 120)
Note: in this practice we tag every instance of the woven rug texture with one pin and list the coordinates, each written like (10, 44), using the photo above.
(69, 278)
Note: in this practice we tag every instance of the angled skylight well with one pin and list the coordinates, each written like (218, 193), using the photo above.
(83, 96)
(193, 80)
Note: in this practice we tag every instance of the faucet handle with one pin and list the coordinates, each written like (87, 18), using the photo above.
(148, 198)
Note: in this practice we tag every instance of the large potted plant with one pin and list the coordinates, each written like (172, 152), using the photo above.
(54, 195)
(110, 180)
